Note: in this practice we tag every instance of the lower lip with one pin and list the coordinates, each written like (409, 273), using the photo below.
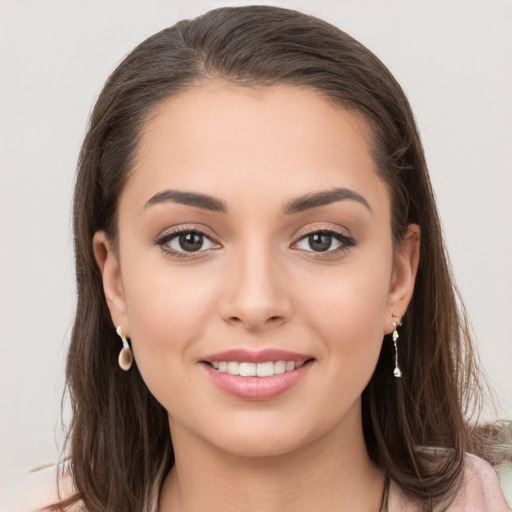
(257, 388)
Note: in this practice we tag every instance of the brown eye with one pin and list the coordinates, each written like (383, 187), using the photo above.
(186, 241)
(320, 242)
(325, 241)
(191, 242)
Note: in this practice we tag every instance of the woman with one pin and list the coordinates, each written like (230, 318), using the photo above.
(266, 319)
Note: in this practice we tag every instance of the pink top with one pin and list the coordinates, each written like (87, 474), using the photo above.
(481, 492)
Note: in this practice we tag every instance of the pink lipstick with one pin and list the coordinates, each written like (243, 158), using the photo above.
(258, 375)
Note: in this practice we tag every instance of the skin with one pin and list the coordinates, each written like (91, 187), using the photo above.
(259, 283)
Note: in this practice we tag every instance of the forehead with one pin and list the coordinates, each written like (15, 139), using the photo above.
(211, 110)
(224, 139)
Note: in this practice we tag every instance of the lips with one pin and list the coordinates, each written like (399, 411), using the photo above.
(258, 375)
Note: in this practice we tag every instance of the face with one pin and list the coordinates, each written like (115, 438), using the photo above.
(255, 238)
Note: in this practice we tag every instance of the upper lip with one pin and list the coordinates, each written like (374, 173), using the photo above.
(260, 356)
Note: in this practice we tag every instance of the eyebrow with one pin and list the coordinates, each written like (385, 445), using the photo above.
(323, 198)
(196, 199)
(300, 204)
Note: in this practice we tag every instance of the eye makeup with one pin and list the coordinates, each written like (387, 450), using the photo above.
(192, 242)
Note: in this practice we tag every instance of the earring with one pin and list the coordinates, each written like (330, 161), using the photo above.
(396, 372)
(125, 359)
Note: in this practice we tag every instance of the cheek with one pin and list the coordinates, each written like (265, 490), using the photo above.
(167, 312)
(348, 312)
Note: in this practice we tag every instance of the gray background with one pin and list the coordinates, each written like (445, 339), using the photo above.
(453, 58)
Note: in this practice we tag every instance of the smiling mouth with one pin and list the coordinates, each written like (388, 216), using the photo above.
(257, 375)
(247, 369)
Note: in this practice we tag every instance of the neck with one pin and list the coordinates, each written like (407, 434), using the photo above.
(333, 473)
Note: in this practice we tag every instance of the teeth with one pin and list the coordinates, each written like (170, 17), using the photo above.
(233, 368)
(247, 369)
(265, 369)
(279, 367)
(256, 369)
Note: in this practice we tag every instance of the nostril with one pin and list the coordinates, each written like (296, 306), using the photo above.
(254, 319)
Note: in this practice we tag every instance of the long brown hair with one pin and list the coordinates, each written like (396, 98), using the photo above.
(119, 442)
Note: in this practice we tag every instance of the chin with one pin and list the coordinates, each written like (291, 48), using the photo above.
(274, 433)
(261, 444)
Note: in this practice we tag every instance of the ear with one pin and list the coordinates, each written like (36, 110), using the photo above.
(110, 270)
(405, 267)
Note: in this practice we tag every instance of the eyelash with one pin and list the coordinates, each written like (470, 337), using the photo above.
(346, 242)
(171, 235)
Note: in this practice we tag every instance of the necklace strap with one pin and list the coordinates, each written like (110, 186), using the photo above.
(384, 506)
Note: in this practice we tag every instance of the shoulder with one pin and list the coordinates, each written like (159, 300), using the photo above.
(504, 471)
(480, 491)
(39, 489)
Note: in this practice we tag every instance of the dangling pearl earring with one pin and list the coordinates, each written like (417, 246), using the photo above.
(396, 372)
(125, 359)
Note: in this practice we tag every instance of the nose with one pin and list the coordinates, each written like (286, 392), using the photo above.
(256, 294)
